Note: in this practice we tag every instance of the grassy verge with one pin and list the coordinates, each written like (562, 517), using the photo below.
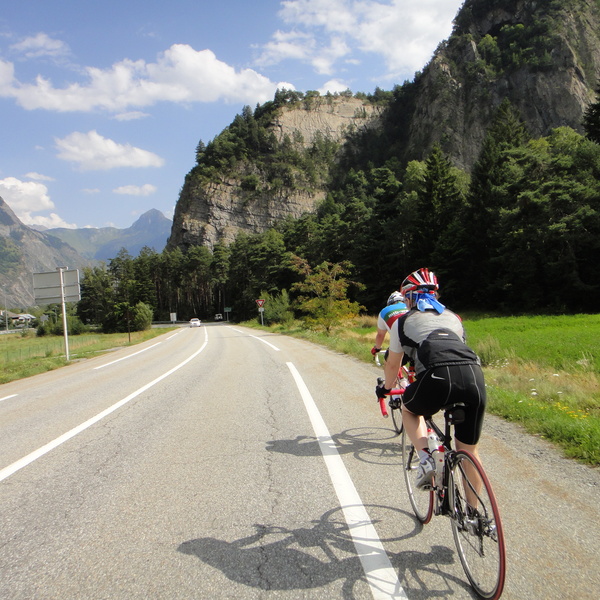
(541, 372)
(24, 355)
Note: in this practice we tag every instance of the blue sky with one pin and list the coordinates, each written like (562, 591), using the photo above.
(103, 103)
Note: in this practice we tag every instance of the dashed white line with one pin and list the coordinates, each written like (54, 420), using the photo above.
(257, 338)
(26, 460)
(7, 397)
(126, 357)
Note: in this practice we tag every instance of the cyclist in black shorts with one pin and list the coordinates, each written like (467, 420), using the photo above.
(447, 370)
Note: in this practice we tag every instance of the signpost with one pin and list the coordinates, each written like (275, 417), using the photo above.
(61, 287)
(261, 309)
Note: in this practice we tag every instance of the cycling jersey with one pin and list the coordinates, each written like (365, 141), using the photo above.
(431, 339)
(390, 314)
(447, 369)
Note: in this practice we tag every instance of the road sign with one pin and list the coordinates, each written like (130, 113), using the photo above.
(260, 302)
(47, 287)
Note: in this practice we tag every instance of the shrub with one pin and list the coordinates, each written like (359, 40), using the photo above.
(277, 308)
(142, 317)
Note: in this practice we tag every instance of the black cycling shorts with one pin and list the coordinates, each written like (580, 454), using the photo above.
(440, 386)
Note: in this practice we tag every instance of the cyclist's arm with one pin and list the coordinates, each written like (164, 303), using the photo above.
(394, 358)
(380, 337)
(392, 366)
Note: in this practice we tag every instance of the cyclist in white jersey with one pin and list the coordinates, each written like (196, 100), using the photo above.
(394, 309)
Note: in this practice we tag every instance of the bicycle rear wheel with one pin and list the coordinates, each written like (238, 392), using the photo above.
(421, 500)
(476, 525)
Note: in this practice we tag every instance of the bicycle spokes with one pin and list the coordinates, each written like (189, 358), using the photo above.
(476, 526)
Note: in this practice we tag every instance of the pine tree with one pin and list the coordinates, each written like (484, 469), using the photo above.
(591, 120)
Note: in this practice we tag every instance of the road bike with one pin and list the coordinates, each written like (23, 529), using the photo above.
(461, 491)
(406, 375)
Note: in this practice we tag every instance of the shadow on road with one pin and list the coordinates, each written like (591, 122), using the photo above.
(278, 558)
(368, 444)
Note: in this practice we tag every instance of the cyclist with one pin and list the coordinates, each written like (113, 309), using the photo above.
(394, 309)
(447, 370)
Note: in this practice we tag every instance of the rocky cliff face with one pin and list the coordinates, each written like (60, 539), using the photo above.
(331, 117)
(211, 212)
(543, 56)
(464, 84)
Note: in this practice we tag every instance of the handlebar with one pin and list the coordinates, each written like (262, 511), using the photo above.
(377, 361)
(406, 375)
(393, 392)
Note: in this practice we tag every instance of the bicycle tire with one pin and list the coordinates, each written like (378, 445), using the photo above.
(420, 500)
(396, 412)
(478, 535)
(397, 419)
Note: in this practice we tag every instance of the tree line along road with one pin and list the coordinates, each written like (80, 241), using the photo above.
(221, 462)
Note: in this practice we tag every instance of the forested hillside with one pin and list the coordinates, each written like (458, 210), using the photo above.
(486, 168)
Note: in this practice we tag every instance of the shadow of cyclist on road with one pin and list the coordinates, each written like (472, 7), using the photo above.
(278, 558)
(366, 444)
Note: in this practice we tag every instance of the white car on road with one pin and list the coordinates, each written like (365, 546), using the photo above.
(195, 322)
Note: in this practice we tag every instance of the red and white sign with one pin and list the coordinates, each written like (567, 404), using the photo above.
(260, 302)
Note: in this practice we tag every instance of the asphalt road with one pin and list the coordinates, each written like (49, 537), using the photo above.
(221, 462)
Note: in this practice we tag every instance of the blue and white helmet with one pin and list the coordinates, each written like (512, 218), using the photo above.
(395, 298)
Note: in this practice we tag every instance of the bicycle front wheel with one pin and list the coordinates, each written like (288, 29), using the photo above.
(395, 405)
(421, 500)
(476, 525)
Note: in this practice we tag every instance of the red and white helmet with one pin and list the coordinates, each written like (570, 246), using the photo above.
(422, 280)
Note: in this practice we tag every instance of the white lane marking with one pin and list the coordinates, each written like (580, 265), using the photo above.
(7, 397)
(257, 338)
(126, 357)
(26, 460)
(380, 574)
(265, 342)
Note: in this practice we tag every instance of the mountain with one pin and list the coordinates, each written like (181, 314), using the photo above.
(544, 57)
(267, 166)
(23, 252)
(152, 229)
(277, 163)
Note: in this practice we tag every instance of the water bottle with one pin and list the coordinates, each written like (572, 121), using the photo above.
(439, 462)
(437, 452)
(433, 441)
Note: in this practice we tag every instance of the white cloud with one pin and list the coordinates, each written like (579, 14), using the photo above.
(181, 74)
(50, 222)
(90, 190)
(38, 176)
(131, 115)
(41, 45)
(27, 197)
(92, 152)
(136, 190)
(332, 86)
(287, 45)
(403, 32)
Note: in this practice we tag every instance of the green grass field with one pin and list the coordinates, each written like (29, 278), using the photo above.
(24, 355)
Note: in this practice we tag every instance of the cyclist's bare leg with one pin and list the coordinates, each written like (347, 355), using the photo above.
(471, 473)
(415, 429)
(473, 449)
